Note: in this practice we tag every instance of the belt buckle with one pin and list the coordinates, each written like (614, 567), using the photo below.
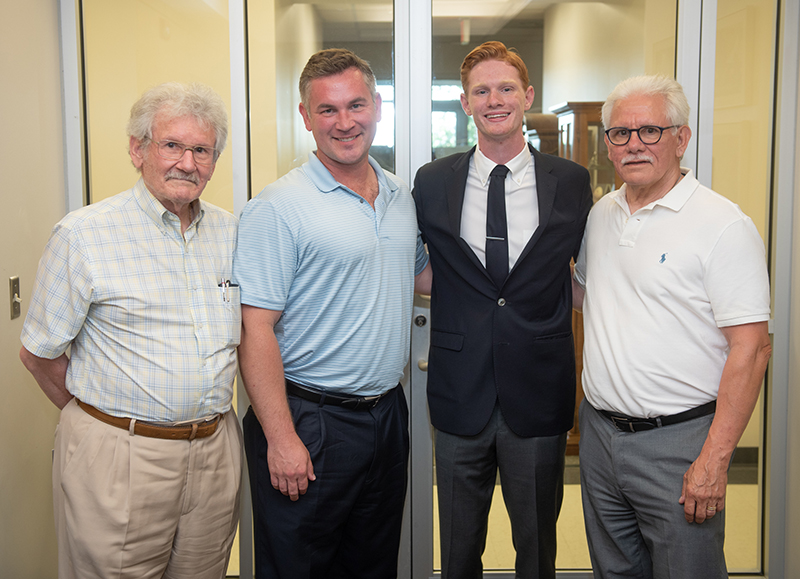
(622, 424)
(373, 400)
(628, 425)
(369, 401)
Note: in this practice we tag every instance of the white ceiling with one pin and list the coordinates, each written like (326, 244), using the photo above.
(371, 19)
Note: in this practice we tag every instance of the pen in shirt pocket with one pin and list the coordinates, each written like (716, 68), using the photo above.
(224, 286)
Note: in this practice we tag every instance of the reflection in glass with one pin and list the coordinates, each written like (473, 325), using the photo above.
(283, 36)
(132, 45)
(743, 93)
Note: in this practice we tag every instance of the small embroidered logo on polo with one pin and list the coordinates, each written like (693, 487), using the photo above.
(663, 258)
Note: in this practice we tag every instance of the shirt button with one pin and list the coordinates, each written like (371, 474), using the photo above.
(501, 302)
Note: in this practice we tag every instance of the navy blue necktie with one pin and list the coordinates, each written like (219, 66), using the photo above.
(496, 227)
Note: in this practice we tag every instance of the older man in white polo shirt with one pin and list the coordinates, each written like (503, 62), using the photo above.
(675, 309)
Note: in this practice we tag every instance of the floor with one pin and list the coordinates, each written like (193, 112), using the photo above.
(741, 535)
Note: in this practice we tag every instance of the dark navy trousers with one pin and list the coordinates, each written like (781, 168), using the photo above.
(347, 525)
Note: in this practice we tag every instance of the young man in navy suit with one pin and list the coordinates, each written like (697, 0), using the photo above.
(502, 222)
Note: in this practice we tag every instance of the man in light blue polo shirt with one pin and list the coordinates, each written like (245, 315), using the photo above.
(326, 262)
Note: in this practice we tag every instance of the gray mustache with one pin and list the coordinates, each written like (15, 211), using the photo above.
(632, 158)
(181, 176)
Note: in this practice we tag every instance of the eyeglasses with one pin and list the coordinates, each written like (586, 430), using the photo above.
(172, 151)
(649, 134)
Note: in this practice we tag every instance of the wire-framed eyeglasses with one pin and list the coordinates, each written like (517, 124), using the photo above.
(649, 134)
(172, 151)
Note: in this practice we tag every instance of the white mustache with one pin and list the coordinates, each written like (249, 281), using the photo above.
(181, 176)
(635, 158)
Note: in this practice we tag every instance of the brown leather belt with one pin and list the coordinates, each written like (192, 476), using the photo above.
(181, 432)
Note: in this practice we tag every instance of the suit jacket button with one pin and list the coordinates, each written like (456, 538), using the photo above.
(501, 302)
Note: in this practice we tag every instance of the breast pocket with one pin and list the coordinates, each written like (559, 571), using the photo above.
(233, 314)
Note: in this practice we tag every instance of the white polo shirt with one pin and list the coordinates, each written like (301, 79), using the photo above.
(659, 285)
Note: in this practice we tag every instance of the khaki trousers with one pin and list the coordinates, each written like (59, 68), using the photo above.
(137, 507)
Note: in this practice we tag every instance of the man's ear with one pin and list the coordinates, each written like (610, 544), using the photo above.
(305, 115)
(529, 95)
(684, 135)
(465, 105)
(136, 151)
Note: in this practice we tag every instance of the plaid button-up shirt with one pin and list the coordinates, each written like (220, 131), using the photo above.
(153, 334)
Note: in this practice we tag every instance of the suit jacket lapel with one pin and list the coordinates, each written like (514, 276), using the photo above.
(455, 183)
(546, 185)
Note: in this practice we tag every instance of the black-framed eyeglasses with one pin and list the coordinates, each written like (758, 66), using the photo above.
(649, 134)
(172, 151)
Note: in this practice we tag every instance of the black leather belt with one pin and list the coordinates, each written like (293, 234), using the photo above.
(632, 424)
(320, 397)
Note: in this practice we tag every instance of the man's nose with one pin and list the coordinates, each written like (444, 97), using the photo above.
(495, 98)
(344, 121)
(635, 143)
(187, 163)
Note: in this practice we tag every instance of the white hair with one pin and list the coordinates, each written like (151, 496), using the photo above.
(180, 100)
(675, 103)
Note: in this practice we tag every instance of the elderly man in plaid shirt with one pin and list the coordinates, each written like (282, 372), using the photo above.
(147, 464)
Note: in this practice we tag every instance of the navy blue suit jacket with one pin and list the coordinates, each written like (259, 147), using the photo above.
(511, 343)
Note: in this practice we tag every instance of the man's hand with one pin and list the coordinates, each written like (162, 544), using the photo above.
(290, 467)
(260, 363)
(704, 486)
(51, 375)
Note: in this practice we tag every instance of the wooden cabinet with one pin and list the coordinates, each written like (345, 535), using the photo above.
(581, 140)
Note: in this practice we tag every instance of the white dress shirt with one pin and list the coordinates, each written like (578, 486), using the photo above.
(522, 204)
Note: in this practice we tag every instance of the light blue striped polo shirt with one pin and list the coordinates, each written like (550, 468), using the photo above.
(152, 337)
(341, 273)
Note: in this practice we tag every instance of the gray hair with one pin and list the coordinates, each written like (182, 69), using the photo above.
(333, 61)
(676, 105)
(180, 100)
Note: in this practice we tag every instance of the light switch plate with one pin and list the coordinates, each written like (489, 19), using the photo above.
(16, 301)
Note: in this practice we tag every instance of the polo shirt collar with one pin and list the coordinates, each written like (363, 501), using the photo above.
(324, 181)
(675, 198)
(516, 166)
(153, 208)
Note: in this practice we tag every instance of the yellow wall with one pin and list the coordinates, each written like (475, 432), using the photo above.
(131, 45)
(299, 35)
(590, 46)
(742, 112)
(282, 37)
(33, 200)
(582, 62)
(742, 105)
(263, 96)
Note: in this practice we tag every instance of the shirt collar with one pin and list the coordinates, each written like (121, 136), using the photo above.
(157, 212)
(516, 166)
(324, 181)
(675, 198)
